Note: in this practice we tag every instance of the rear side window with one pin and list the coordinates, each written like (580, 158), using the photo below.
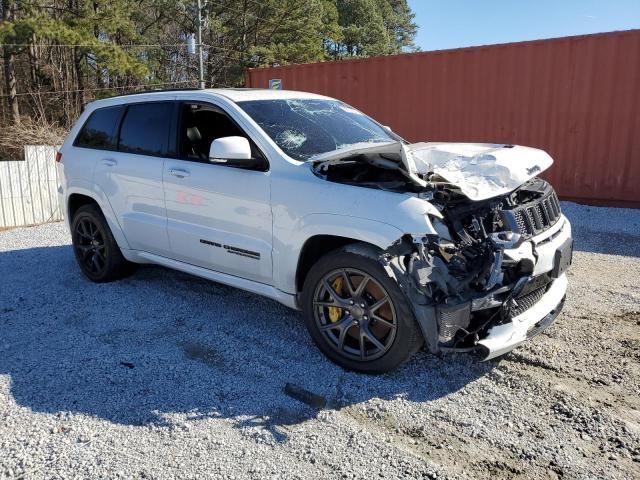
(145, 129)
(100, 130)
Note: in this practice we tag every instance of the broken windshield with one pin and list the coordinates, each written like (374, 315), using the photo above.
(303, 128)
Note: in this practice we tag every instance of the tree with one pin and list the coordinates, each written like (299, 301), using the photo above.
(7, 35)
(398, 21)
(92, 36)
(59, 54)
(373, 27)
(266, 33)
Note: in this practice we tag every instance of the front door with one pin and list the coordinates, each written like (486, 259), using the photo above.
(218, 216)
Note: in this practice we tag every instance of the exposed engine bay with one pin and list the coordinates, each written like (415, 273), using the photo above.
(365, 171)
(462, 280)
(464, 271)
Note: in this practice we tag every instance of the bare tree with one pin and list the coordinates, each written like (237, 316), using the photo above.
(8, 13)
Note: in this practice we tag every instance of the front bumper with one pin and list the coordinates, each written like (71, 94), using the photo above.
(501, 339)
(533, 311)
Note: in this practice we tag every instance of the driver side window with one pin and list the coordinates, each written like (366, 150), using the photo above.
(200, 125)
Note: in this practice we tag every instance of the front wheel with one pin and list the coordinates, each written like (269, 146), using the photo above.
(357, 314)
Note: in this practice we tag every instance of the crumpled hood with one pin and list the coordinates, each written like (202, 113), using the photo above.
(479, 170)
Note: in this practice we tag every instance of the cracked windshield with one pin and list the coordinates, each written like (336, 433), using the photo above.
(304, 128)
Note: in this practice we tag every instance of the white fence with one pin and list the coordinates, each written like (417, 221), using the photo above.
(29, 188)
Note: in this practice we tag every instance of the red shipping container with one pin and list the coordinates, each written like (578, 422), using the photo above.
(578, 98)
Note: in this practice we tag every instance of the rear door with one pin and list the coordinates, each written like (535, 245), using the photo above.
(131, 177)
(219, 215)
(96, 140)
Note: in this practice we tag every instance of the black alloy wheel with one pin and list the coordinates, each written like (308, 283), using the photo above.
(95, 249)
(90, 246)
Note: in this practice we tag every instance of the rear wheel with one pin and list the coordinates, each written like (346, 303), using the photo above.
(357, 315)
(96, 251)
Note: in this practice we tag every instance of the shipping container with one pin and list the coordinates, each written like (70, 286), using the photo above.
(576, 97)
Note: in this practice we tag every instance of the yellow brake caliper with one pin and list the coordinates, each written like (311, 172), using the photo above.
(335, 313)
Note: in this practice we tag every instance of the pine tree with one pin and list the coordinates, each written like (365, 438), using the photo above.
(63, 53)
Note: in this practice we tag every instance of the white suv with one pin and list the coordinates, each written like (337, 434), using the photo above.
(385, 246)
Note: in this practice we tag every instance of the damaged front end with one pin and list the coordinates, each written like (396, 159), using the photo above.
(491, 273)
(478, 273)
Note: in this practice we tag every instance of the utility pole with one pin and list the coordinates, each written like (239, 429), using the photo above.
(200, 59)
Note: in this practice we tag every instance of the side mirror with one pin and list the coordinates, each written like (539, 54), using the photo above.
(229, 148)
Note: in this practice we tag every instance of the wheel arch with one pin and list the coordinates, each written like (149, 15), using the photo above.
(320, 245)
(77, 197)
(77, 200)
(323, 233)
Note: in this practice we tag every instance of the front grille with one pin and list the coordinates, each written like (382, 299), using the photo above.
(537, 216)
(525, 302)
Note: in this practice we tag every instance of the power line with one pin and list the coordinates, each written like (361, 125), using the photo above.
(59, 92)
(213, 55)
(88, 45)
(225, 48)
(216, 57)
(151, 45)
(187, 66)
(160, 45)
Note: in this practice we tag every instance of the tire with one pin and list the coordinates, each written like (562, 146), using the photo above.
(333, 328)
(95, 249)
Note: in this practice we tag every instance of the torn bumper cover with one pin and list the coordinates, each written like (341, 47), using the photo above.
(503, 338)
(506, 295)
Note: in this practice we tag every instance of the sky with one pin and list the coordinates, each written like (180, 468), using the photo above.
(461, 23)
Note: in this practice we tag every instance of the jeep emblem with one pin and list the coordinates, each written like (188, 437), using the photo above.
(533, 169)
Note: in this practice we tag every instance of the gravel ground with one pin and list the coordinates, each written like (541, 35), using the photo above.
(163, 375)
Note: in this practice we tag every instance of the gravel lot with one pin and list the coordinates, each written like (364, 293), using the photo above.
(163, 375)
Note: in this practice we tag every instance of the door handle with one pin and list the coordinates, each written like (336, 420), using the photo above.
(109, 162)
(178, 172)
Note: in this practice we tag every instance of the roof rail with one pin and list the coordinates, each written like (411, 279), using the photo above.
(160, 90)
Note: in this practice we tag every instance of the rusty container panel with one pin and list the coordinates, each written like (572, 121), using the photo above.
(576, 97)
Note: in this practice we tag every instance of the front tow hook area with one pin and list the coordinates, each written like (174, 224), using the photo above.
(503, 338)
